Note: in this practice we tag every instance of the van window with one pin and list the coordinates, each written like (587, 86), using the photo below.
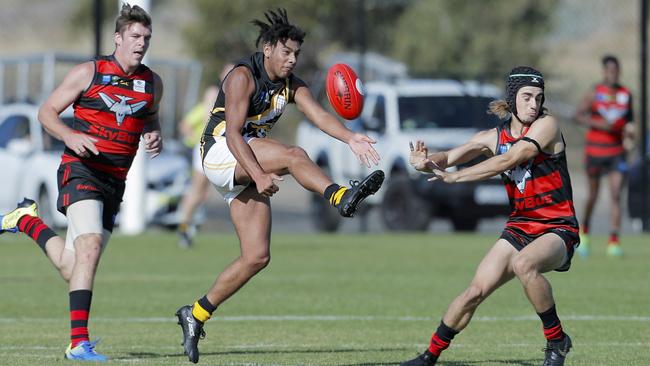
(14, 127)
(445, 112)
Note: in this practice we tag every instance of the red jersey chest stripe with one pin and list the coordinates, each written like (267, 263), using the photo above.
(107, 119)
(537, 185)
(600, 151)
(93, 92)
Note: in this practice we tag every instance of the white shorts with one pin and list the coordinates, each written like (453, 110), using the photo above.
(219, 167)
(197, 165)
(85, 217)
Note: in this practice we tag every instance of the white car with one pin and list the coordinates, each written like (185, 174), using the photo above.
(442, 113)
(29, 158)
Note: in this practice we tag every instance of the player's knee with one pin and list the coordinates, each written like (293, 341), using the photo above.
(523, 267)
(257, 262)
(88, 247)
(297, 153)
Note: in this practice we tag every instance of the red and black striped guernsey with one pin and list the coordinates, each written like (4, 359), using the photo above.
(114, 110)
(539, 191)
(611, 106)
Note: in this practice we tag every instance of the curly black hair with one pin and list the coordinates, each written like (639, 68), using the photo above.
(277, 29)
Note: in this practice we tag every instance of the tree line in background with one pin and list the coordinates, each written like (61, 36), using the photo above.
(434, 38)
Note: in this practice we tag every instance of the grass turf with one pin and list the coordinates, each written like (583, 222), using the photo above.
(324, 300)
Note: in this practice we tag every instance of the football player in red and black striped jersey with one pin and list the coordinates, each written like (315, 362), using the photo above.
(528, 150)
(115, 100)
(607, 111)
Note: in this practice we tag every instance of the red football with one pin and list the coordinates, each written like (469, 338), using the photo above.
(344, 91)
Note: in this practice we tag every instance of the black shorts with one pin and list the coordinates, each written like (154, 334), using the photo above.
(77, 182)
(519, 240)
(598, 166)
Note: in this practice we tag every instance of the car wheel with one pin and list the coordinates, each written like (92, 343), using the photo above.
(464, 223)
(402, 209)
(45, 209)
(324, 216)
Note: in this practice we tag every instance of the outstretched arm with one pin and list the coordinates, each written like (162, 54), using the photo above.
(361, 145)
(540, 137)
(482, 143)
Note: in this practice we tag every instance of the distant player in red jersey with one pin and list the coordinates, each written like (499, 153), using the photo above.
(607, 111)
(115, 101)
(528, 150)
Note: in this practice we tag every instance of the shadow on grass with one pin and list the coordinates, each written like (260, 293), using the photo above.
(151, 355)
(458, 363)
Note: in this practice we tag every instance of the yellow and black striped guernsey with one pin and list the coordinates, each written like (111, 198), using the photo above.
(266, 104)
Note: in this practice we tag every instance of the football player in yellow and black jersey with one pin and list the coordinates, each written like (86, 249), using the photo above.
(244, 164)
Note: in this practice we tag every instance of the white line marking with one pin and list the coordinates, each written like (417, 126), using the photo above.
(333, 318)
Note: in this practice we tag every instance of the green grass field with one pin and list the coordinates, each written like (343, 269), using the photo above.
(324, 300)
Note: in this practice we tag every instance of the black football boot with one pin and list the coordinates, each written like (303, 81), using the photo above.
(359, 191)
(425, 359)
(192, 332)
(555, 352)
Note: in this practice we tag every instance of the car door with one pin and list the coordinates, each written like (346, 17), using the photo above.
(15, 149)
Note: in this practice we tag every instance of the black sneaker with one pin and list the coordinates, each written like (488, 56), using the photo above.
(359, 191)
(425, 359)
(192, 332)
(555, 352)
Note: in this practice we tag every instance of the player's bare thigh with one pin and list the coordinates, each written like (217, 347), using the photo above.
(272, 155)
(495, 268)
(547, 252)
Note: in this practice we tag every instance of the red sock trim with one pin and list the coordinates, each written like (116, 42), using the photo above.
(25, 222)
(79, 331)
(437, 345)
(554, 332)
(79, 315)
(34, 227)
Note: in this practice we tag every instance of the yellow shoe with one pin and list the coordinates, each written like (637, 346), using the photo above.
(10, 221)
(583, 248)
(614, 249)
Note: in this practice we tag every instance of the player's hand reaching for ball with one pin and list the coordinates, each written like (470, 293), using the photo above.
(361, 146)
(419, 158)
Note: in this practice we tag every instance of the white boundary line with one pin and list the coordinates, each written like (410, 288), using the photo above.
(332, 318)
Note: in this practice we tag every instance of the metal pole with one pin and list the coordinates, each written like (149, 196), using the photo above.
(644, 115)
(132, 218)
(361, 17)
(97, 15)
